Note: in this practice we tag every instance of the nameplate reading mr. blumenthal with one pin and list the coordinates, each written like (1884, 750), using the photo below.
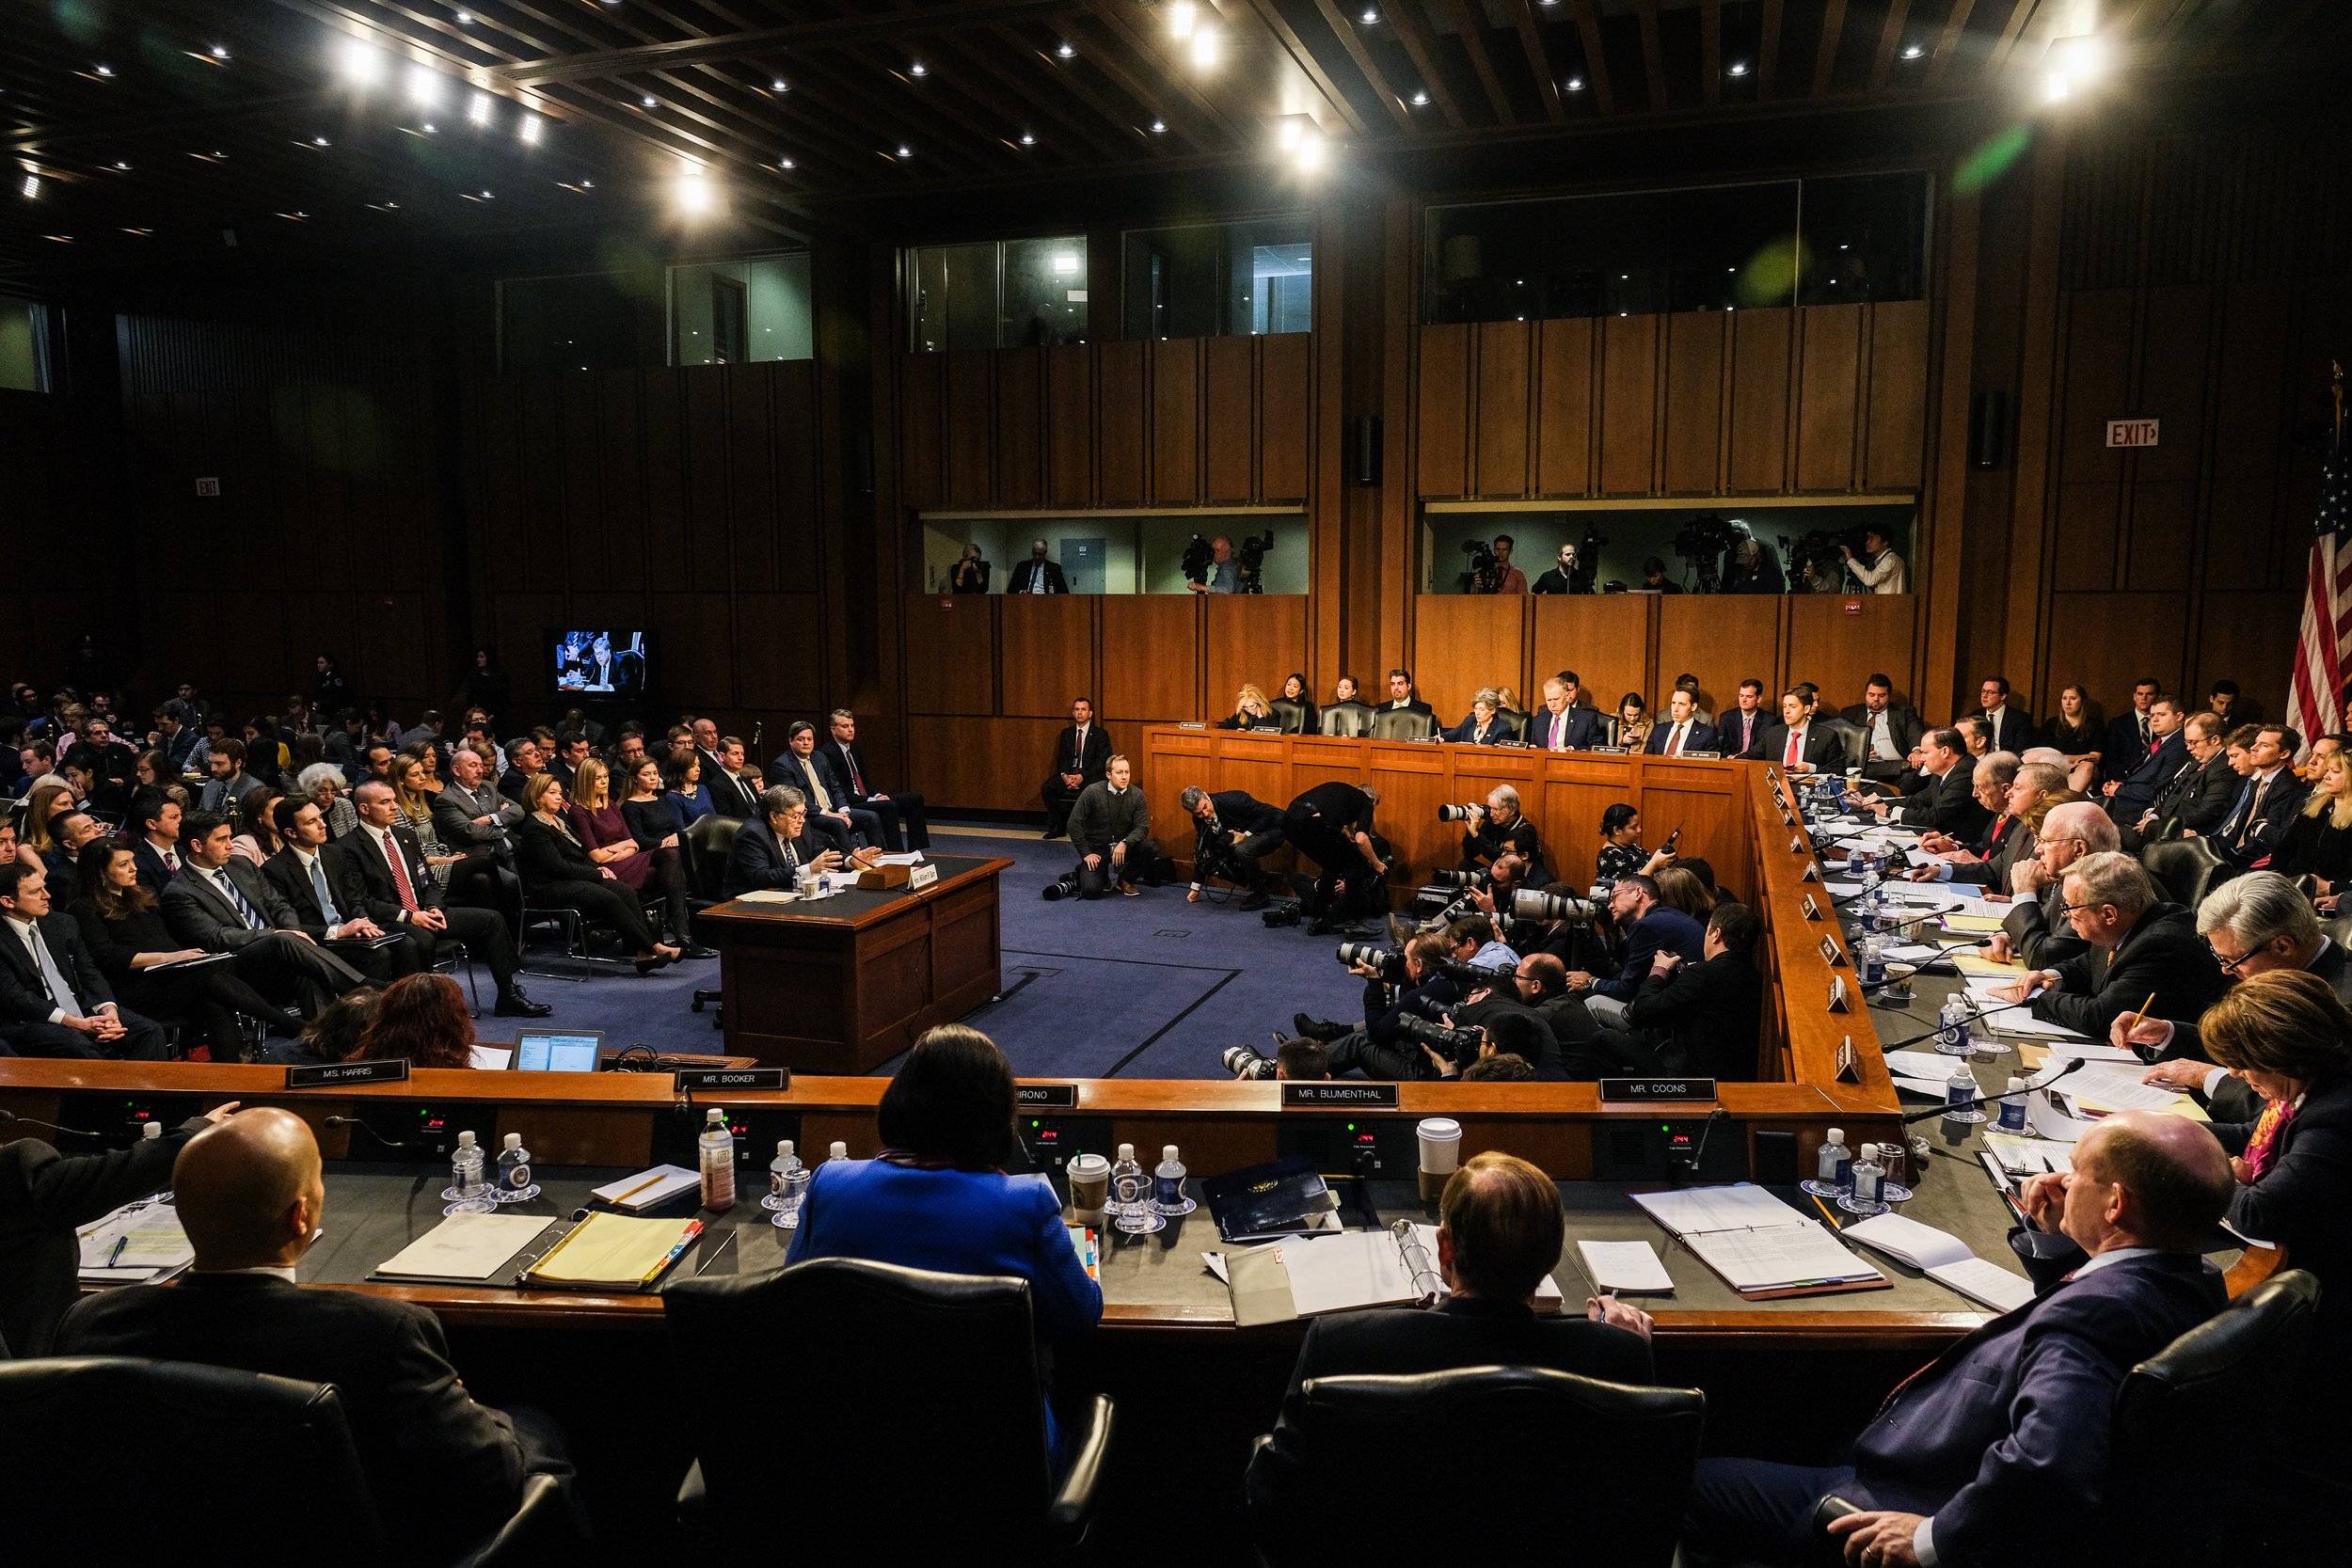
(732, 1078)
(1338, 1097)
(392, 1070)
(1045, 1097)
(1654, 1091)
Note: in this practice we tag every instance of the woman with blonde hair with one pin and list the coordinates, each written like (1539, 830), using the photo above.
(415, 810)
(1251, 711)
(2319, 842)
(47, 800)
(654, 870)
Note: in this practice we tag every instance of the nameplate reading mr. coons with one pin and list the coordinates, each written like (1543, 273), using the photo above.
(1045, 1097)
(1658, 1090)
(1338, 1097)
(392, 1070)
(734, 1078)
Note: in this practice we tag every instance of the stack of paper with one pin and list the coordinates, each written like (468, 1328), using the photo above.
(2103, 1087)
(2020, 1155)
(1760, 1246)
(1943, 1258)
(464, 1247)
(647, 1188)
(1626, 1268)
(612, 1252)
(135, 1244)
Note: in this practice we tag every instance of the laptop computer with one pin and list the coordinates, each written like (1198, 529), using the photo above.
(558, 1050)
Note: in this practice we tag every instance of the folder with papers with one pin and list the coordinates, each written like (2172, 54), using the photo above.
(1310, 1275)
(1760, 1246)
(1945, 1259)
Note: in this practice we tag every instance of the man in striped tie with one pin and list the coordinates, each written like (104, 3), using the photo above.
(223, 904)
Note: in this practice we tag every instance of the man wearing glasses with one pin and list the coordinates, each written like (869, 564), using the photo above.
(2034, 929)
(2145, 956)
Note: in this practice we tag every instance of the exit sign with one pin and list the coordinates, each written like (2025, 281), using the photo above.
(2131, 433)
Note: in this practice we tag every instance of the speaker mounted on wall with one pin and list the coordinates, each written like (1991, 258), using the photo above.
(1363, 441)
(1988, 429)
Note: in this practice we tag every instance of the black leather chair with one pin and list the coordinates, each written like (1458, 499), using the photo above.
(193, 1448)
(2224, 1376)
(1290, 715)
(934, 1377)
(1598, 1472)
(2185, 868)
(708, 842)
(1396, 723)
(1347, 720)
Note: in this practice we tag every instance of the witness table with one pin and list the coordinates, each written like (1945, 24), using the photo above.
(844, 983)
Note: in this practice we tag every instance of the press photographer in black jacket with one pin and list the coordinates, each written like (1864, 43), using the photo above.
(1232, 832)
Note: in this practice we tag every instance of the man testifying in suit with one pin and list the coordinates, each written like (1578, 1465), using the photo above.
(1890, 729)
(1563, 726)
(772, 851)
(903, 824)
(328, 905)
(1799, 744)
(1081, 753)
(1499, 1233)
(1037, 575)
(250, 1194)
(1682, 733)
(387, 872)
(223, 904)
(52, 1000)
(849, 828)
(2002, 1443)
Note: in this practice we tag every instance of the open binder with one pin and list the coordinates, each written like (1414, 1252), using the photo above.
(1759, 1246)
(1311, 1275)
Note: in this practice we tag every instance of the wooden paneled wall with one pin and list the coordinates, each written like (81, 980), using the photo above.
(1830, 398)
(1183, 422)
(57, 495)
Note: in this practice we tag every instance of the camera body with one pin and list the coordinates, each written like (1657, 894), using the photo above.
(1390, 962)
(1250, 555)
(1199, 556)
(1818, 548)
(1484, 575)
(1459, 1046)
(1464, 813)
(1471, 976)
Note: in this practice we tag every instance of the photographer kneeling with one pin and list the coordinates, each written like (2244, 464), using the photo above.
(1405, 995)
(1110, 828)
(1496, 829)
(1699, 1018)
(1234, 831)
(1330, 825)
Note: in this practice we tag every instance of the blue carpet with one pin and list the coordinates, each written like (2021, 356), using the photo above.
(1149, 987)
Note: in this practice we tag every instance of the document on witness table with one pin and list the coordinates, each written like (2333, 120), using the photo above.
(464, 1246)
(1626, 1268)
(138, 1242)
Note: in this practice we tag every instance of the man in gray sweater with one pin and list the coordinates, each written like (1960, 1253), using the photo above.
(1110, 826)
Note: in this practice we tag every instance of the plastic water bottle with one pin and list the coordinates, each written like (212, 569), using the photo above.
(715, 1153)
(151, 1133)
(1952, 1035)
(780, 1170)
(1130, 1195)
(1959, 1089)
(466, 1190)
(515, 1183)
(1873, 951)
(1869, 1179)
(1168, 1186)
(2013, 1106)
(838, 1150)
(1834, 1173)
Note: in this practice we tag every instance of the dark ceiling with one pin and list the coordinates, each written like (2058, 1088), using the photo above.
(160, 131)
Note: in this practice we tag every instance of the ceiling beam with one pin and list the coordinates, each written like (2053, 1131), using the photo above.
(1825, 58)
(1284, 34)
(1768, 52)
(1472, 29)
(1539, 60)
(865, 27)
(1365, 65)
(1203, 127)
(1596, 60)
(1149, 53)
(1422, 51)
(1653, 57)
(1711, 51)
(1076, 84)
(1947, 47)
(1997, 56)
(1890, 36)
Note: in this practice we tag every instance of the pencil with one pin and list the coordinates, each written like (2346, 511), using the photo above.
(2142, 1017)
(648, 1181)
(1825, 1214)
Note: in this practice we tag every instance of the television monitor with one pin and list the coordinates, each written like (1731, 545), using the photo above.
(571, 1051)
(601, 661)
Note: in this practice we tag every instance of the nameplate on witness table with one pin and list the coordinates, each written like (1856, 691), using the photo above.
(1658, 1091)
(734, 1078)
(1045, 1097)
(392, 1070)
(1338, 1097)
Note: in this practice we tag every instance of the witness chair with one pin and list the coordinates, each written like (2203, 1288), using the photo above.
(946, 1364)
(1393, 723)
(1347, 720)
(2185, 868)
(708, 842)
(191, 1444)
(1614, 1461)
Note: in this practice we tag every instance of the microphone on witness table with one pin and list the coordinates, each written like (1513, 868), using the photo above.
(2071, 1065)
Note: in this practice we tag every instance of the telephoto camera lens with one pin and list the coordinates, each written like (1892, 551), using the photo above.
(1461, 879)
(1459, 1045)
(1388, 960)
(1530, 905)
(1460, 814)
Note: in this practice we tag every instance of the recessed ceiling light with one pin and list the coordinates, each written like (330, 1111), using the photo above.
(429, 128)
(779, 85)
(1159, 127)
(486, 197)
(786, 163)
(106, 70)
(1912, 51)
(1370, 16)
(320, 141)
(1027, 140)
(220, 51)
(906, 152)
(1066, 52)
(31, 186)
(119, 164)
(646, 102)
(1576, 84)
(1420, 99)
(1738, 68)
(587, 184)
(917, 69)
(464, 19)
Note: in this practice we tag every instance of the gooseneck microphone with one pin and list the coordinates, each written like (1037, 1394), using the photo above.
(1933, 1112)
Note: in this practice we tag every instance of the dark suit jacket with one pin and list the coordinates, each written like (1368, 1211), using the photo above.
(2195, 797)
(44, 1197)
(2017, 730)
(839, 782)
(23, 997)
(371, 875)
(2299, 1204)
(1664, 928)
(2123, 752)
(1091, 763)
(1949, 804)
(284, 873)
(787, 769)
(1701, 739)
(153, 874)
(2161, 954)
(1460, 1333)
(1023, 571)
(1581, 726)
(2004, 1439)
(1499, 730)
(1902, 722)
(731, 795)
(2263, 831)
(1240, 812)
(2039, 934)
(1713, 1013)
(446, 1468)
(2333, 965)
(1731, 724)
(2137, 786)
(1416, 706)
(1823, 748)
(543, 857)
(201, 917)
(756, 861)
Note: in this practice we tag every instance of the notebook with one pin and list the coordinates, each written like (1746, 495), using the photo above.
(1945, 1259)
(1308, 1276)
(1084, 1242)
(612, 1252)
(647, 1189)
(1760, 1246)
(137, 1245)
(1626, 1268)
(464, 1247)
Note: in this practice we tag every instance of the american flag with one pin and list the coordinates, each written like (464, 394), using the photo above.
(2316, 705)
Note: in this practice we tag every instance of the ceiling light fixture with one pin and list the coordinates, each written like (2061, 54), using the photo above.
(1065, 261)
(646, 102)
(429, 127)
(120, 165)
(105, 70)
(528, 132)
(320, 141)
(1421, 97)
(1370, 16)
(1159, 127)
(918, 68)
(478, 109)
(906, 151)
(1205, 43)
(1181, 17)
(693, 191)
(1576, 84)
(220, 51)
(31, 186)
(1067, 51)
(424, 89)
(1027, 140)
(786, 163)
(779, 85)
(1738, 68)
(1913, 51)
(464, 19)
(362, 63)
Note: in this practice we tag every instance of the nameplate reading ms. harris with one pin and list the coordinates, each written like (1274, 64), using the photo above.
(392, 1070)
(732, 1078)
(1339, 1096)
(1657, 1091)
(1045, 1097)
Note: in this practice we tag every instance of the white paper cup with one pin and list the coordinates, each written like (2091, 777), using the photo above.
(1089, 1183)
(1441, 1145)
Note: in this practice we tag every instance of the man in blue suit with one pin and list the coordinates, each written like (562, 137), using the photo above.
(1682, 733)
(2003, 1440)
(2133, 788)
(849, 827)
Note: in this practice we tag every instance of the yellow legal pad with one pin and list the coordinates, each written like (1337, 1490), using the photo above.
(611, 1249)
(1973, 925)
